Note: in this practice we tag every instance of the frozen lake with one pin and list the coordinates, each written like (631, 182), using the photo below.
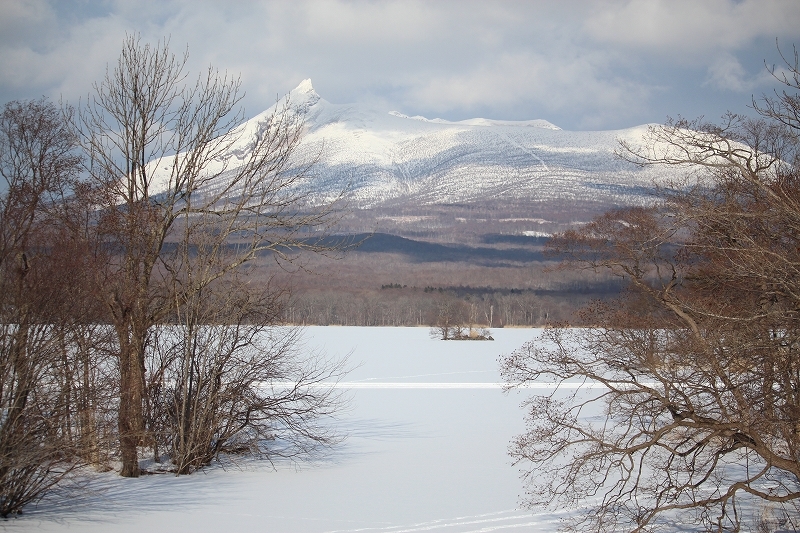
(428, 432)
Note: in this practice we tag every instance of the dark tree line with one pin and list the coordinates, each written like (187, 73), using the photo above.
(415, 307)
(128, 325)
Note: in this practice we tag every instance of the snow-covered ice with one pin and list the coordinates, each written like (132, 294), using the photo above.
(428, 433)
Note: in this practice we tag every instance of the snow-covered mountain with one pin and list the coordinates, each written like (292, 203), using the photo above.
(388, 158)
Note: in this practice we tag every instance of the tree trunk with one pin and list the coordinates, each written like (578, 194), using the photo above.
(131, 389)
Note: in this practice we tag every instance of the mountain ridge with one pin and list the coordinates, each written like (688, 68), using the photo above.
(387, 160)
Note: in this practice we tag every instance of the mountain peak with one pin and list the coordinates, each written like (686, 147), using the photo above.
(304, 86)
(304, 94)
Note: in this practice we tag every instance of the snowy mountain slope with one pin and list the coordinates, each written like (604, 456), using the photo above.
(389, 158)
(386, 158)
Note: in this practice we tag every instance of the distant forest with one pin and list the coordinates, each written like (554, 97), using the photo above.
(388, 280)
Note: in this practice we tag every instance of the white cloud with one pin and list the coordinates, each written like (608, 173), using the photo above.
(727, 73)
(555, 84)
(576, 63)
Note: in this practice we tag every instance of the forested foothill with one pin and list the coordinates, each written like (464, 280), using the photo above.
(693, 422)
(129, 328)
(507, 280)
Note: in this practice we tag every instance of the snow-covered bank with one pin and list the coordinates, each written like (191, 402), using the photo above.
(427, 452)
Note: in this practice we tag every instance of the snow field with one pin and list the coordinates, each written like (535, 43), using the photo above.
(428, 429)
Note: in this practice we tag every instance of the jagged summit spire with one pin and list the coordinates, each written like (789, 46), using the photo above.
(305, 86)
(304, 94)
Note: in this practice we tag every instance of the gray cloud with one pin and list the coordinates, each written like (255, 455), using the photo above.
(691, 32)
(727, 73)
(578, 64)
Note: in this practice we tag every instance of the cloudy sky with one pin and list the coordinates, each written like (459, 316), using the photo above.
(579, 64)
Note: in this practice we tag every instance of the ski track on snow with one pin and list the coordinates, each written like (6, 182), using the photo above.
(503, 520)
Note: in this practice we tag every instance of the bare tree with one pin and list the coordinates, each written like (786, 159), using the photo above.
(163, 156)
(455, 319)
(229, 381)
(697, 365)
(244, 389)
(451, 319)
(37, 165)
